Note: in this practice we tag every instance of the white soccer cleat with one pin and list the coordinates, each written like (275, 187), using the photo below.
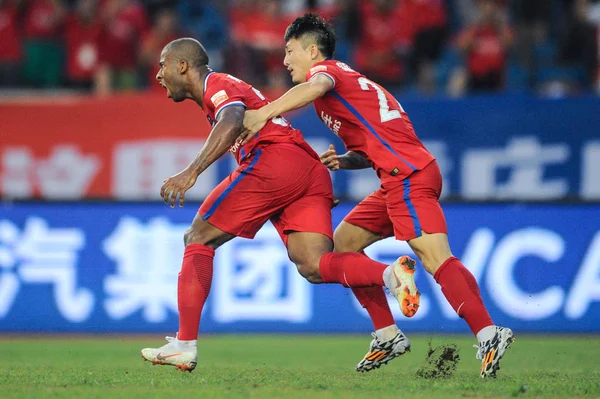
(400, 282)
(181, 354)
(490, 352)
(381, 352)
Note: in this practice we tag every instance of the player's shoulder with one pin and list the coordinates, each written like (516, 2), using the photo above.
(337, 71)
(219, 86)
(334, 65)
(219, 81)
(335, 68)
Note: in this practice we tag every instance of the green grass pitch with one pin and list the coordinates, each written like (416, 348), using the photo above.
(290, 366)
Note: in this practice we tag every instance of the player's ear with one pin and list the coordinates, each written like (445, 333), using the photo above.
(183, 66)
(314, 51)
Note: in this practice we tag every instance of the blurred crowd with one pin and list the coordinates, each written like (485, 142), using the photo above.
(455, 47)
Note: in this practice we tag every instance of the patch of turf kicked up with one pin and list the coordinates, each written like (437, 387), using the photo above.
(440, 362)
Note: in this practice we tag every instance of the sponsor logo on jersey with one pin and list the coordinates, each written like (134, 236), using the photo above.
(219, 97)
(233, 149)
(318, 68)
(345, 67)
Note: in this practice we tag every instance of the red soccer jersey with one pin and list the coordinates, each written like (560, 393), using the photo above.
(488, 53)
(370, 121)
(10, 46)
(122, 36)
(82, 48)
(41, 20)
(222, 90)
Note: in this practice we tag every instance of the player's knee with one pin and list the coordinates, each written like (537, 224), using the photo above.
(430, 265)
(309, 269)
(310, 273)
(188, 236)
(193, 236)
(432, 259)
(432, 249)
(344, 243)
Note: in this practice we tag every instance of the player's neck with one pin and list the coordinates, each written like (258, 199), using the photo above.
(197, 89)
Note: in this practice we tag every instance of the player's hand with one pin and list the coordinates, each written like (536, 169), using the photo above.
(330, 158)
(176, 186)
(253, 122)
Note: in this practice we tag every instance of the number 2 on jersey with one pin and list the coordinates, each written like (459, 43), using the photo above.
(384, 109)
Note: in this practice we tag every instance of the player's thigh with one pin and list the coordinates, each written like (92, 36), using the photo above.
(350, 238)
(203, 232)
(413, 204)
(310, 212)
(367, 223)
(432, 250)
(305, 249)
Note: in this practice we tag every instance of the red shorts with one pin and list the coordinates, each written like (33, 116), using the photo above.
(403, 208)
(280, 182)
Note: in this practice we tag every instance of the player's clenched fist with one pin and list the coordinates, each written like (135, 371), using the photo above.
(177, 186)
(330, 158)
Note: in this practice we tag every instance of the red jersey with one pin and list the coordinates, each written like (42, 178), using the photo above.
(370, 121)
(428, 13)
(488, 53)
(122, 35)
(42, 20)
(83, 42)
(222, 90)
(10, 46)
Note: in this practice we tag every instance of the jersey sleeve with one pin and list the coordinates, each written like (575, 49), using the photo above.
(223, 92)
(329, 71)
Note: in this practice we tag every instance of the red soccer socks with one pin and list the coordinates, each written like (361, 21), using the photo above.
(351, 269)
(374, 300)
(193, 288)
(461, 290)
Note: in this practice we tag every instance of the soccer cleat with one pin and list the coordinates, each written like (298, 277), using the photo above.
(400, 282)
(490, 352)
(381, 353)
(183, 355)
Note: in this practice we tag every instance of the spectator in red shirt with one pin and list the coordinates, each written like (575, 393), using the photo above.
(44, 21)
(125, 23)
(386, 39)
(83, 40)
(164, 30)
(430, 37)
(345, 16)
(257, 28)
(10, 45)
(238, 55)
(486, 44)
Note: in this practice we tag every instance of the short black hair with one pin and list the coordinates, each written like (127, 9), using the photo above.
(189, 49)
(316, 28)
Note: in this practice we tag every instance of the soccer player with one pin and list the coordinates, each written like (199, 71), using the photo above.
(279, 178)
(378, 133)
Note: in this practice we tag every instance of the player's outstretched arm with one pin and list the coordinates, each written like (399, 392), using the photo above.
(296, 97)
(221, 138)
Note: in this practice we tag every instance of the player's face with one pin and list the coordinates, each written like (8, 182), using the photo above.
(298, 60)
(168, 77)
